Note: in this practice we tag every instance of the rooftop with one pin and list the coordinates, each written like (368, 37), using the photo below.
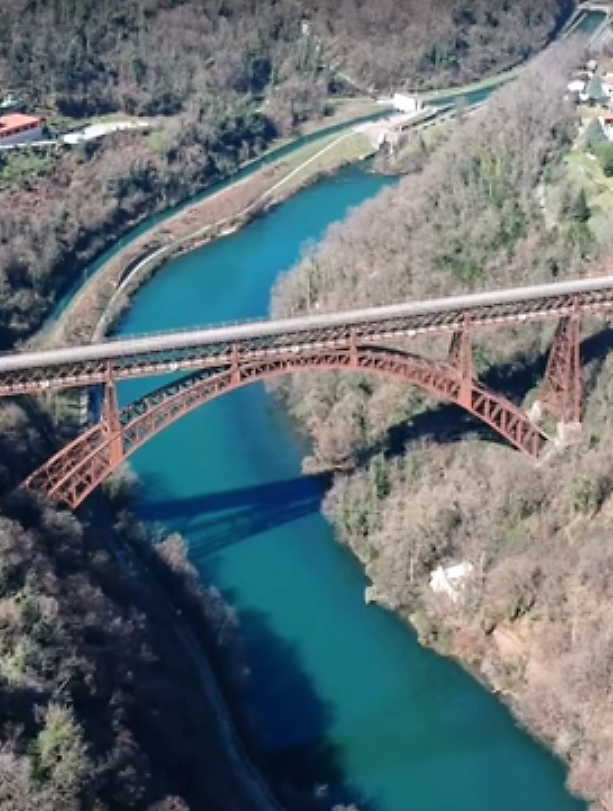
(15, 121)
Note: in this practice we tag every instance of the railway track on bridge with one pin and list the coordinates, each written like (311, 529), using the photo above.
(71, 367)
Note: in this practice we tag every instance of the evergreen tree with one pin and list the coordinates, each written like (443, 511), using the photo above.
(595, 91)
(604, 153)
(578, 208)
(593, 134)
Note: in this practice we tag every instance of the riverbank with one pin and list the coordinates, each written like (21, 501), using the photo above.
(93, 650)
(105, 295)
(474, 88)
(521, 627)
(206, 632)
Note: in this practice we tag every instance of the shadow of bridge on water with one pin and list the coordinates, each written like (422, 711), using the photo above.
(289, 724)
(232, 516)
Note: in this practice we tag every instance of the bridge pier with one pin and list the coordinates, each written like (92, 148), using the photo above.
(461, 358)
(560, 396)
(111, 423)
(561, 393)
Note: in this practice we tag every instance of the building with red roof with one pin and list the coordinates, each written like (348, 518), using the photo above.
(17, 128)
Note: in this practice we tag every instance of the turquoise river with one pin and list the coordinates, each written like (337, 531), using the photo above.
(348, 699)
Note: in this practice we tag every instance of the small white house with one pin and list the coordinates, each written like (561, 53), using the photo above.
(407, 104)
(576, 86)
(450, 579)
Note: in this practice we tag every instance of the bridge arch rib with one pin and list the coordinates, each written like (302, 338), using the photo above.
(74, 472)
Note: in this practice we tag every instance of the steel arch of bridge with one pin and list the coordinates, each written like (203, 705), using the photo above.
(72, 474)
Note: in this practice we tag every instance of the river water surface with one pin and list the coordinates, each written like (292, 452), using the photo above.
(345, 694)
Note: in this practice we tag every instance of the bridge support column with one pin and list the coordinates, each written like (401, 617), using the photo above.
(236, 367)
(353, 349)
(461, 358)
(561, 392)
(111, 424)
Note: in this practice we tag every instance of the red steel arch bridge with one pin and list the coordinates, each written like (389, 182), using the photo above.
(220, 359)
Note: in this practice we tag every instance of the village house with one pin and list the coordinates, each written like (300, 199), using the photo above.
(592, 85)
(407, 104)
(17, 128)
(450, 580)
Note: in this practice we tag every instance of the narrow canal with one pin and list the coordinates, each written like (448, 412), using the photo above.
(589, 22)
(344, 692)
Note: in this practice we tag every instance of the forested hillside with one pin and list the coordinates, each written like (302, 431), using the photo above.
(223, 79)
(100, 705)
(156, 56)
(424, 485)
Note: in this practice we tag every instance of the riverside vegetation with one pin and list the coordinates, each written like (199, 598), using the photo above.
(420, 484)
(89, 660)
(90, 715)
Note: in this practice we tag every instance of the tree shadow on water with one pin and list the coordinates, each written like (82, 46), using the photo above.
(302, 761)
(285, 719)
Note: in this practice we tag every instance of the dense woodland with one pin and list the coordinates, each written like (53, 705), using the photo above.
(161, 56)
(222, 80)
(100, 706)
(420, 484)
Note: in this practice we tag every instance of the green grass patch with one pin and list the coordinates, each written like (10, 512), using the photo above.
(586, 173)
(157, 142)
(339, 151)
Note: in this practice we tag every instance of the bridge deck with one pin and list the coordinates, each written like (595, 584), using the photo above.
(169, 352)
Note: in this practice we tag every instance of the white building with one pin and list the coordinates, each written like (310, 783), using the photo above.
(407, 104)
(450, 579)
(16, 128)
